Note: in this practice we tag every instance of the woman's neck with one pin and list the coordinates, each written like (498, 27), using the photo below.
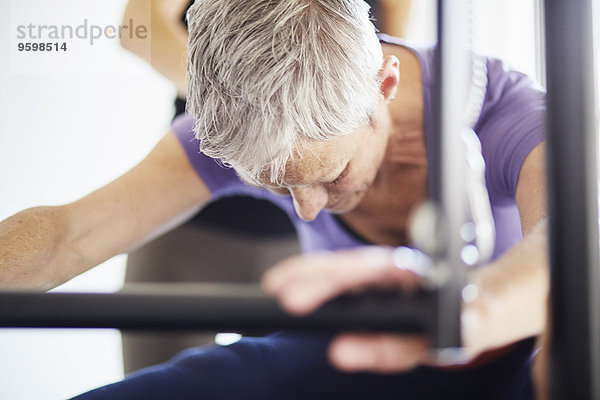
(406, 143)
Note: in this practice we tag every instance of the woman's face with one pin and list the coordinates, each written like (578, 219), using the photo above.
(333, 175)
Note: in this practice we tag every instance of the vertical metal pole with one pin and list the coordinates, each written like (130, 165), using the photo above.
(540, 46)
(454, 66)
(573, 202)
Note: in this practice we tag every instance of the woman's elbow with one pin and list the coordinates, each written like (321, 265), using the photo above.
(136, 15)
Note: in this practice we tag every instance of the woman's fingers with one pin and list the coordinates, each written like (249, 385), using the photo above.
(383, 353)
(304, 283)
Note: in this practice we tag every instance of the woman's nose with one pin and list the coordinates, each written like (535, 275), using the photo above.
(309, 201)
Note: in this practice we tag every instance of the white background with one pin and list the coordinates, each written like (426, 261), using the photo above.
(64, 134)
(61, 136)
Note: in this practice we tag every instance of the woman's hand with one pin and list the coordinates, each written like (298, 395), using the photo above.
(304, 283)
(511, 304)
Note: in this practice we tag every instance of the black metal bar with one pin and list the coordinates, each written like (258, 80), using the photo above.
(238, 308)
(572, 201)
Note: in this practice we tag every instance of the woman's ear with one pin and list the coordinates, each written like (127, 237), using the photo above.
(389, 76)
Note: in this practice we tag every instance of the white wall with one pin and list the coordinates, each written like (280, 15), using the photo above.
(502, 28)
(62, 134)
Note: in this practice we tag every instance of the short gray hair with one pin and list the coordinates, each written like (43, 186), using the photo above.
(265, 76)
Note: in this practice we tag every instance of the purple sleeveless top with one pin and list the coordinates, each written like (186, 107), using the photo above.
(511, 124)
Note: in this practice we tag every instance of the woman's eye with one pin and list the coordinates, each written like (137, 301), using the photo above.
(339, 178)
(336, 181)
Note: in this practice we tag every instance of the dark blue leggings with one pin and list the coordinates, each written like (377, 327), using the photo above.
(288, 366)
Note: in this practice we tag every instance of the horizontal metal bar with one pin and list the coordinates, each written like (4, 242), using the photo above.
(239, 308)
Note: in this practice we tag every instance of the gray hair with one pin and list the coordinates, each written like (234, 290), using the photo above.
(265, 76)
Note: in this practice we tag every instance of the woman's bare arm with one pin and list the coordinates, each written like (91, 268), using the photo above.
(43, 247)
